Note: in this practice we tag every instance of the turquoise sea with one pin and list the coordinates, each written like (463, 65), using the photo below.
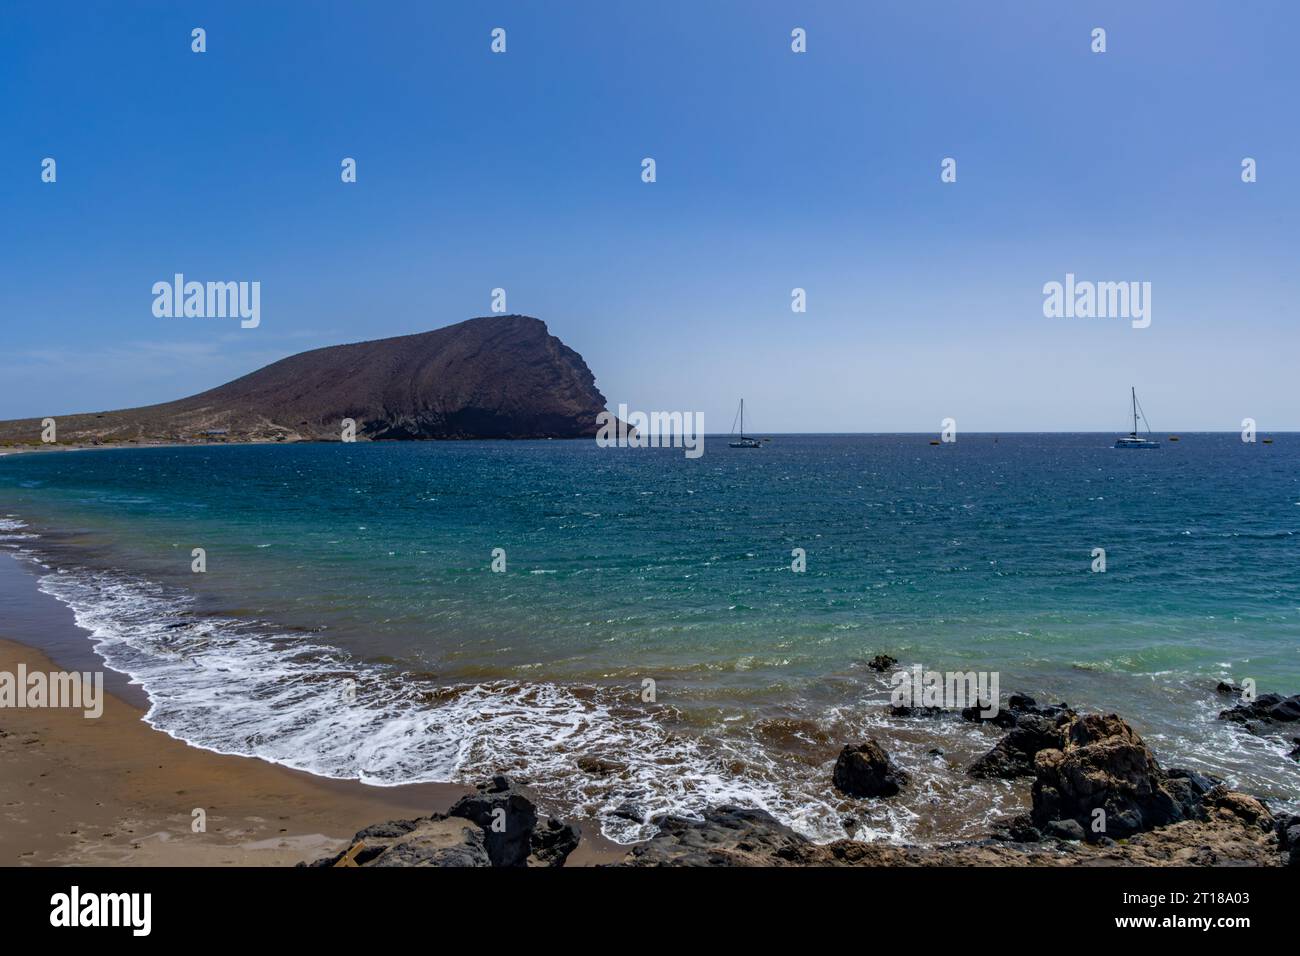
(349, 622)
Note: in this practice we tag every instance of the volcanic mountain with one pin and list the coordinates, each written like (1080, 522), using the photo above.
(502, 376)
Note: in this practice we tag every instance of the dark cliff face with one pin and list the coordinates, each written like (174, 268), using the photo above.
(493, 377)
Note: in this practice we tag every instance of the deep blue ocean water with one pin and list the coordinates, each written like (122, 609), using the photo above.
(349, 622)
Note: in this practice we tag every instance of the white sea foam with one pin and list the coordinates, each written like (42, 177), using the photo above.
(13, 529)
(234, 687)
(239, 687)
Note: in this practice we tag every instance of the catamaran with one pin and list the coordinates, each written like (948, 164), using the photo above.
(1133, 441)
(742, 441)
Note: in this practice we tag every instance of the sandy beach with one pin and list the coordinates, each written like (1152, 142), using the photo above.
(111, 790)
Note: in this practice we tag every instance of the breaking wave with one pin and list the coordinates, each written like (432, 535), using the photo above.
(239, 687)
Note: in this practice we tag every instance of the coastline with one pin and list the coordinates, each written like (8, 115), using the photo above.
(108, 446)
(64, 642)
(114, 791)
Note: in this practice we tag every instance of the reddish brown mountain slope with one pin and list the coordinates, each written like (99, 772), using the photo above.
(493, 377)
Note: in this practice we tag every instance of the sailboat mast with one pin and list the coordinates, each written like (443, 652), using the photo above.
(1133, 391)
(742, 418)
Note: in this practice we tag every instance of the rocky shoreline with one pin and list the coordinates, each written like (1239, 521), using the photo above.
(1099, 798)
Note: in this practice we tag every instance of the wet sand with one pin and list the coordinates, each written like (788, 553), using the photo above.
(113, 791)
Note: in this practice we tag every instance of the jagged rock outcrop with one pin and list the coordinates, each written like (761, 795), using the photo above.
(1266, 714)
(1032, 729)
(865, 770)
(1214, 826)
(506, 816)
(1164, 817)
(501, 376)
(1270, 715)
(497, 826)
(1018, 705)
(725, 836)
(551, 844)
(434, 841)
(731, 836)
(1104, 765)
(1013, 755)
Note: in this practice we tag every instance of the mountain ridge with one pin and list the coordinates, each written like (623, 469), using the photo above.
(500, 376)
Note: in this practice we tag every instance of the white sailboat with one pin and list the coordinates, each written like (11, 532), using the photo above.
(743, 441)
(1133, 441)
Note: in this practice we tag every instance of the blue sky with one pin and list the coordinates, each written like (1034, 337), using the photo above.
(775, 171)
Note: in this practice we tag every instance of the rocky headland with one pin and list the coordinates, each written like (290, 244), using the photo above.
(502, 376)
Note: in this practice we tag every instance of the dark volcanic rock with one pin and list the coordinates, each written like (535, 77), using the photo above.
(506, 816)
(1018, 705)
(1032, 728)
(867, 771)
(1013, 755)
(1265, 713)
(727, 836)
(495, 827)
(1286, 710)
(1017, 829)
(429, 841)
(1269, 715)
(1189, 788)
(1165, 818)
(1004, 718)
(1065, 830)
(437, 843)
(882, 662)
(551, 845)
(1103, 764)
(502, 376)
(630, 810)
(392, 830)
(904, 710)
